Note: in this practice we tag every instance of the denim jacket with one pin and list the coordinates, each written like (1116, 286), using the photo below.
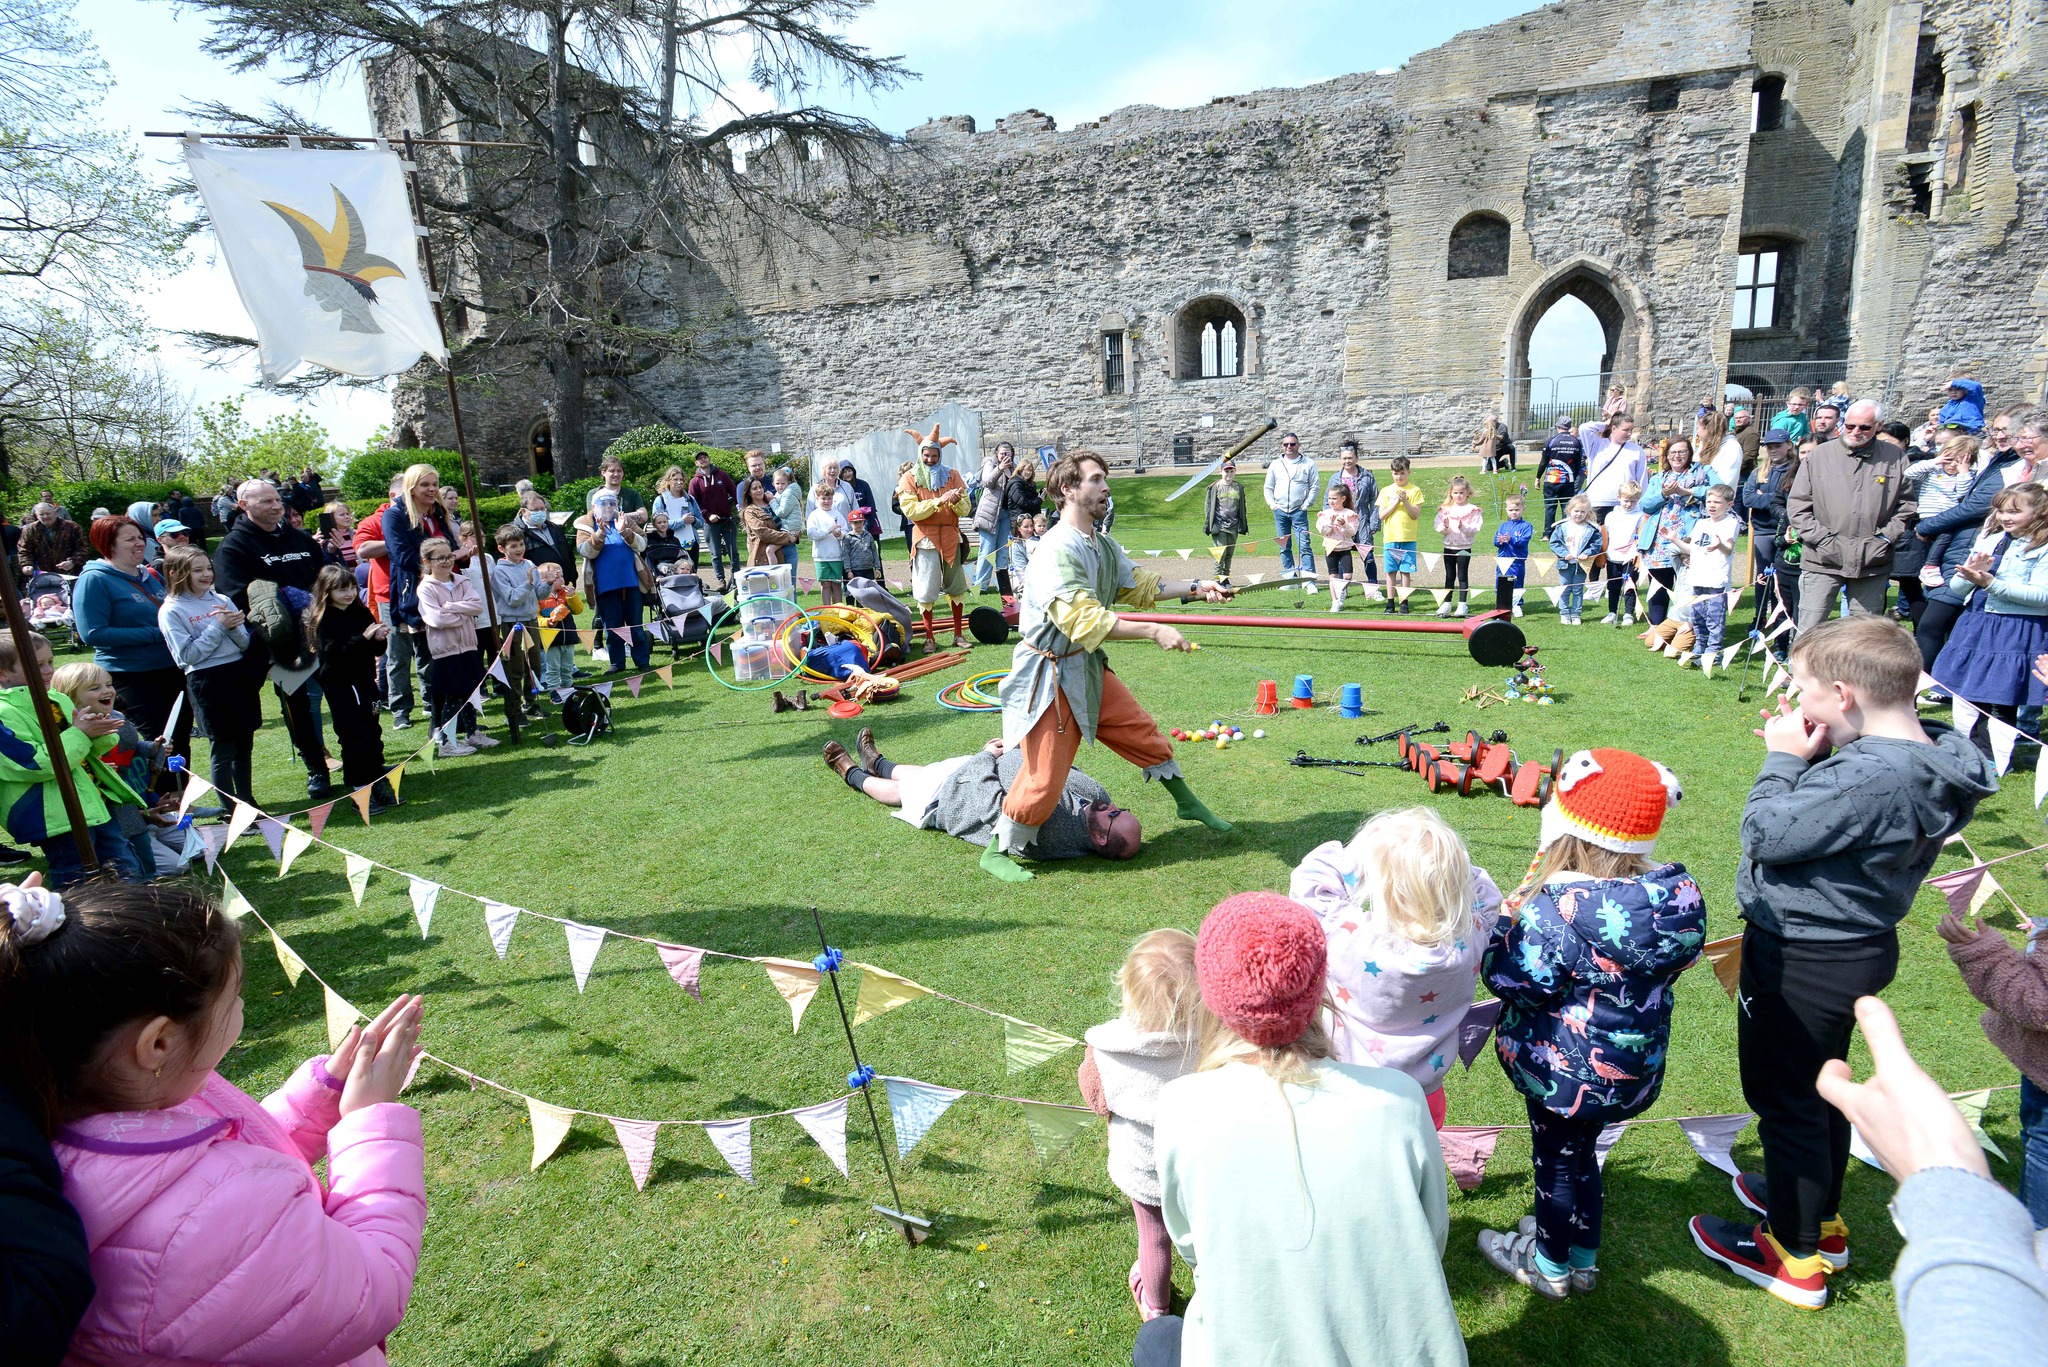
(2020, 588)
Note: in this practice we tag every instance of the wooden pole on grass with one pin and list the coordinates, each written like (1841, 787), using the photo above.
(46, 716)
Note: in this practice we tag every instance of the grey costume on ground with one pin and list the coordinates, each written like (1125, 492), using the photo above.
(970, 801)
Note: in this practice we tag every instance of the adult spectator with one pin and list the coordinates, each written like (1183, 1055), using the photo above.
(263, 548)
(1763, 498)
(170, 534)
(757, 473)
(2026, 444)
(398, 646)
(546, 544)
(51, 544)
(1948, 536)
(114, 605)
(194, 518)
(1718, 449)
(864, 493)
(1852, 506)
(992, 524)
(417, 514)
(1826, 416)
(1612, 458)
(613, 472)
(1970, 1284)
(765, 537)
(49, 496)
(672, 500)
(616, 579)
(1308, 1195)
(143, 514)
(1742, 427)
(1563, 472)
(225, 508)
(10, 538)
(1672, 502)
(1493, 446)
(1292, 493)
(718, 496)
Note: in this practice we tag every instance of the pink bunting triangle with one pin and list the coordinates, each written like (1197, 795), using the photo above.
(623, 633)
(717, 652)
(1959, 887)
(637, 1138)
(1466, 1149)
(1474, 1030)
(317, 818)
(683, 964)
(633, 684)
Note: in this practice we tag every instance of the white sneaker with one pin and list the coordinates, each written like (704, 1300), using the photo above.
(1445, 609)
(1463, 611)
(481, 741)
(1628, 619)
(1374, 596)
(455, 749)
(1609, 620)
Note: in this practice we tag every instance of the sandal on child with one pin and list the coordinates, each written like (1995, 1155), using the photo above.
(1145, 1312)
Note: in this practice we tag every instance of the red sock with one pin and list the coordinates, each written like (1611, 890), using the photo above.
(956, 624)
(931, 631)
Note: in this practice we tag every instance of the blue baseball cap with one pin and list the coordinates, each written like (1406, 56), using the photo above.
(170, 526)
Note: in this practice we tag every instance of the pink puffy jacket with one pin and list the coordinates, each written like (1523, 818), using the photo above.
(212, 1240)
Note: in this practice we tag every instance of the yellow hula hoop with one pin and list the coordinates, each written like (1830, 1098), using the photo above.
(844, 619)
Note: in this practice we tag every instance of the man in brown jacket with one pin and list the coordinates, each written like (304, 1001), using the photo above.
(52, 544)
(1852, 506)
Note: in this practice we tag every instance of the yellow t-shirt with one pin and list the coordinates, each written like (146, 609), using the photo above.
(1396, 522)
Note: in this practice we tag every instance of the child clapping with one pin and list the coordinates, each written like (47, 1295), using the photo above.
(1399, 905)
(1154, 1041)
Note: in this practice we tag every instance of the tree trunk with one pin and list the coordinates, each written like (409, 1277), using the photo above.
(565, 427)
(572, 459)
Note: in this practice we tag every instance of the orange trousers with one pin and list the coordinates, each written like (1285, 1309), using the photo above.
(1053, 741)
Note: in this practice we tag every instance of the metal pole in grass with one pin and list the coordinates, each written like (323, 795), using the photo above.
(915, 1231)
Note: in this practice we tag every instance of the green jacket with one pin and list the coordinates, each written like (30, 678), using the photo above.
(34, 807)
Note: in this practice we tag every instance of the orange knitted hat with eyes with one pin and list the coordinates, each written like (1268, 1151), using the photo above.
(1610, 798)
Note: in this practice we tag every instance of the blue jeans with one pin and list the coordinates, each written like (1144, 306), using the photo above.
(621, 608)
(1709, 623)
(2034, 1161)
(1292, 531)
(1158, 1343)
(1573, 577)
(115, 854)
(992, 555)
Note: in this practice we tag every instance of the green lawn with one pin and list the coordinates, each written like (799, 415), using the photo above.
(706, 820)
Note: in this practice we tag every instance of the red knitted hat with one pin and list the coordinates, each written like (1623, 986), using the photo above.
(1260, 959)
(1610, 798)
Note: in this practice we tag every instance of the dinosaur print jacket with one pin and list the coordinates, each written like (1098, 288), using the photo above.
(1584, 972)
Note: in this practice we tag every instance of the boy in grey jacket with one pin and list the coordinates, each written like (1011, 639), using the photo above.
(1834, 848)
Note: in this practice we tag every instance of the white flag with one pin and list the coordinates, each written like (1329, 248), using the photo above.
(2003, 736)
(1604, 1142)
(1966, 715)
(584, 942)
(323, 255)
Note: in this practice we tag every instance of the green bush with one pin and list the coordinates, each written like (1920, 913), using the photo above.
(369, 475)
(645, 467)
(637, 439)
(495, 510)
(81, 498)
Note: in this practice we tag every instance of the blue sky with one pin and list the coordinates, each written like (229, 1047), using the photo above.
(1074, 59)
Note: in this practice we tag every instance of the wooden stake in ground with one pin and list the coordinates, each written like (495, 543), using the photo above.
(46, 717)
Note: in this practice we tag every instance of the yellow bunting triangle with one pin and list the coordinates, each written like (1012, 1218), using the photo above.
(296, 843)
(358, 876)
(548, 635)
(796, 982)
(396, 777)
(881, 991)
(233, 905)
(1987, 888)
(550, 1128)
(341, 1017)
(288, 959)
(361, 797)
(1026, 1045)
(1054, 1127)
(667, 674)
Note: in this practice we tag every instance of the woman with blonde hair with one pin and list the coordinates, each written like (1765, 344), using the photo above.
(1307, 1193)
(416, 516)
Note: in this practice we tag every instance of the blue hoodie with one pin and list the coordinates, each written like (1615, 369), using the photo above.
(1583, 971)
(116, 616)
(1967, 412)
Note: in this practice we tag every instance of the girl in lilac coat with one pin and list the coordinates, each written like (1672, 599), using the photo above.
(1406, 913)
(211, 1238)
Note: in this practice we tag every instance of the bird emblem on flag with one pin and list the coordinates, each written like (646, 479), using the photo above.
(339, 271)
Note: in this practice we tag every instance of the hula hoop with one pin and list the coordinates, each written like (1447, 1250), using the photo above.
(784, 626)
(847, 619)
(978, 694)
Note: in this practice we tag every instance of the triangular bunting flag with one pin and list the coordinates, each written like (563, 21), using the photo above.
(633, 684)
(734, 1140)
(881, 991)
(2040, 784)
(1604, 1143)
(1972, 1105)
(361, 797)
(1706, 666)
(1733, 596)
(358, 875)
(2003, 736)
(683, 964)
(1725, 957)
(550, 1128)
(548, 635)
(273, 835)
(1986, 890)
(500, 919)
(1862, 1150)
(1184, 554)
(637, 1138)
(1926, 682)
(1474, 1029)
(1780, 630)
(195, 840)
(296, 843)
(341, 1017)
(1026, 1045)
(1728, 655)
(316, 817)
(233, 905)
(1712, 1136)
(584, 942)
(497, 671)
(424, 895)
(1432, 561)
(667, 674)
(826, 1123)
(1155, 554)
(1466, 1151)
(1966, 715)
(215, 838)
(623, 633)
(796, 982)
(1442, 596)
(395, 778)
(1553, 593)
(588, 635)
(914, 1107)
(243, 817)
(288, 959)
(717, 652)
(1257, 579)
(1959, 887)
(1054, 1127)
(603, 690)
(1543, 564)
(195, 788)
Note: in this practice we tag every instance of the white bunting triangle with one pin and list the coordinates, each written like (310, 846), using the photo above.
(734, 1140)
(500, 919)
(1966, 715)
(826, 1123)
(195, 788)
(584, 942)
(1432, 561)
(914, 1107)
(550, 1128)
(296, 843)
(2003, 736)
(1713, 1136)
(1554, 593)
(424, 895)
(243, 817)
(1728, 655)
(358, 875)
(1604, 1143)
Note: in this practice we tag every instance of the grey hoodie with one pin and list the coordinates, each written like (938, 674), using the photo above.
(1836, 850)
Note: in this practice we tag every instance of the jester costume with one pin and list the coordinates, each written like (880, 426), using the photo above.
(934, 498)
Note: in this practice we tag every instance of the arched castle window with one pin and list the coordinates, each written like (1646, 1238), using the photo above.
(1479, 247)
(1767, 104)
(1211, 340)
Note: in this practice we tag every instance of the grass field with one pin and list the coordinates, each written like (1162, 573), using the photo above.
(708, 821)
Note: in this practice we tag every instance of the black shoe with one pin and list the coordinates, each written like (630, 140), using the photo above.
(10, 855)
(401, 721)
(382, 799)
(782, 704)
(319, 787)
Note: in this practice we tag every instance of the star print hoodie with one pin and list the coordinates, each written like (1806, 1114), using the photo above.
(1396, 1003)
(1584, 971)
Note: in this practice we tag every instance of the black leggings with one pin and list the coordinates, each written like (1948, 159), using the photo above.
(1660, 597)
(1937, 620)
(1618, 584)
(1458, 572)
(1569, 1197)
(356, 730)
(147, 696)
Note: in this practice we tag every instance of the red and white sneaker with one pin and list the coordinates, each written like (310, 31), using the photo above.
(1751, 1190)
(1752, 1254)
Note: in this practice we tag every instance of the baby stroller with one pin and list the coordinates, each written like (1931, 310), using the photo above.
(682, 596)
(46, 602)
